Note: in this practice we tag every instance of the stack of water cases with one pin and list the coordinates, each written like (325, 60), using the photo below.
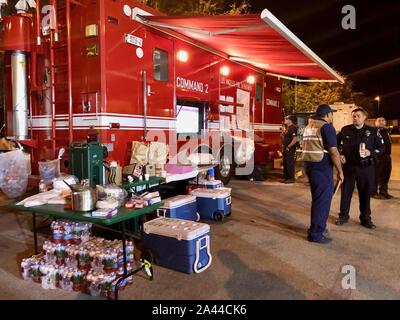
(181, 207)
(213, 204)
(177, 244)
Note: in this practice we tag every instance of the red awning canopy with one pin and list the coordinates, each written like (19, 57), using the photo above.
(259, 40)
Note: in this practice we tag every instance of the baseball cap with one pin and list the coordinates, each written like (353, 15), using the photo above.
(324, 109)
(291, 117)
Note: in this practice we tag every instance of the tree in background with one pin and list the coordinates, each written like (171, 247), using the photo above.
(305, 97)
(199, 7)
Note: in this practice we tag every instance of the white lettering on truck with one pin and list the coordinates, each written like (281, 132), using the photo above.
(192, 85)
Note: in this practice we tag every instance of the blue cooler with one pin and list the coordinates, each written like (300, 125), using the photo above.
(204, 183)
(177, 244)
(213, 204)
(181, 207)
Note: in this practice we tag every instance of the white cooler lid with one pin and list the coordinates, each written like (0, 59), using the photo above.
(177, 201)
(206, 182)
(176, 228)
(212, 193)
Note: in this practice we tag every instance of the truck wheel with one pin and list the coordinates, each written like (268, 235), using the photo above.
(225, 169)
(218, 216)
(147, 255)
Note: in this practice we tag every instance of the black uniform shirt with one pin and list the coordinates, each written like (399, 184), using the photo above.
(349, 140)
(291, 132)
(386, 139)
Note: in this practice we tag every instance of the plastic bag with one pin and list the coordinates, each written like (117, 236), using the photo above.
(244, 150)
(59, 184)
(50, 169)
(201, 158)
(111, 192)
(158, 153)
(14, 173)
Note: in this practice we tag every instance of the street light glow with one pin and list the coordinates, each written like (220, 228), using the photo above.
(378, 98)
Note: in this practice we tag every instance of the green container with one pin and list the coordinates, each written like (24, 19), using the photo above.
(87, 161)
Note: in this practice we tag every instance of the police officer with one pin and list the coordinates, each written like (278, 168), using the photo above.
(359, 145)
(383, 164)
(289, 148)
(319, 154)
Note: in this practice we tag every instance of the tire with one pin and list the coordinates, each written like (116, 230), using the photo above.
(147, 255)
(226, 168)
(218, 216)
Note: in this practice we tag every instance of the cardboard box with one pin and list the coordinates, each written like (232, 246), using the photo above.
(134, 170)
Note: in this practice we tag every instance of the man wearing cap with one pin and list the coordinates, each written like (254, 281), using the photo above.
(289, 148)
(319, 154)
(359, 145)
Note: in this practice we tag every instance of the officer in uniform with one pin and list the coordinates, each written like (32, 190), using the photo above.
(359, 145)
(289, 148)
(319, 154)
(383, 164)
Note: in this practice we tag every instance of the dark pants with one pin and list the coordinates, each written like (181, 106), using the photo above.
(364, 177)
(321, 183)
(289, 163)
(383, 169)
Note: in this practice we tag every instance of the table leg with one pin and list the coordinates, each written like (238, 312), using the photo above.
(143, 266)
(124, 257)
(124, 247)
(35, 232)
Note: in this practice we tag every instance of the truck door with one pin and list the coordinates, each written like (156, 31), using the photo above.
(158, 79)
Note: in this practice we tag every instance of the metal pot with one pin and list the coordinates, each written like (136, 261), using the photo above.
(84, 198)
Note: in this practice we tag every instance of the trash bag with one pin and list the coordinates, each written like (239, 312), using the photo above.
(14, 173)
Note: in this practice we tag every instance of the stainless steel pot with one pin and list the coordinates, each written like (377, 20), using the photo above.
(84, 198)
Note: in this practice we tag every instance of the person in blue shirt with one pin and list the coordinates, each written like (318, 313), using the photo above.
(320, 154)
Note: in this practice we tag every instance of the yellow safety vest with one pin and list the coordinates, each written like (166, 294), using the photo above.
(313, 145)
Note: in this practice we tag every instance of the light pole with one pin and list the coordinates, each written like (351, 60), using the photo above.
(378, 98)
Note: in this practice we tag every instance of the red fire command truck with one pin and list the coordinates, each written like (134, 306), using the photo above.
(117, 71)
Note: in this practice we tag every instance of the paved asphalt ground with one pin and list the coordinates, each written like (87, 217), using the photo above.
(260, 252)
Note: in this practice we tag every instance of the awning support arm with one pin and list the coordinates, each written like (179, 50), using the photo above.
(296, 79)
(143, 20)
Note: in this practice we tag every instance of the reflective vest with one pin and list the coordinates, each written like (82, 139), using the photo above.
(313, 145)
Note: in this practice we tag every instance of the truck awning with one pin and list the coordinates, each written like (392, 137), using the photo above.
(259, 40)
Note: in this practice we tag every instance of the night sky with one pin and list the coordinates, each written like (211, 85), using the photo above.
(369, 55)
